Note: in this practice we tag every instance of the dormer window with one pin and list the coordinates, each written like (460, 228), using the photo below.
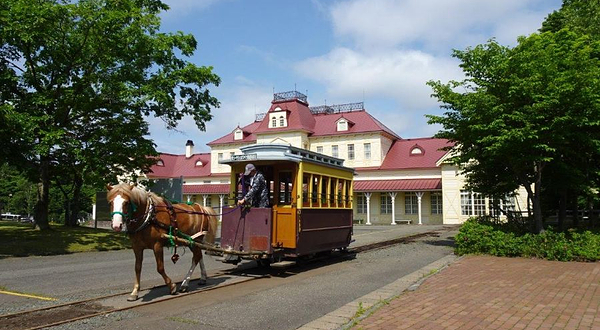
(343, 124)
(416, 151)
(238, 134)
(160, 163)
(199, 163)
(278, 118)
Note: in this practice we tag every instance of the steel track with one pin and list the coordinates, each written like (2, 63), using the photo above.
(85, 304)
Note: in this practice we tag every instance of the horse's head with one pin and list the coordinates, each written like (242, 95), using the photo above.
(121, 207)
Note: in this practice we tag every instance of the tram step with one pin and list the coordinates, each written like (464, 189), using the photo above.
(283, 264)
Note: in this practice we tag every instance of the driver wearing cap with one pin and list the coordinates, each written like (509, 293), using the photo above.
(257, 195)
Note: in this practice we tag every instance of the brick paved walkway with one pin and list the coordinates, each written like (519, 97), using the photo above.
(481, 292)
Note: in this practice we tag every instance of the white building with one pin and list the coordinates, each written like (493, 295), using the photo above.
(398, 180)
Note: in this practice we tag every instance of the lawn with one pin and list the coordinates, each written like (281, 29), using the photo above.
(19, 240)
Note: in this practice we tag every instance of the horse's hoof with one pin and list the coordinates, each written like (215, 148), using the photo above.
(132, 298)
(173, 288)
(183, 289)
(201, 282)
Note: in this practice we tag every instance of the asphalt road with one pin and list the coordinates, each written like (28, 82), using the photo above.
(279, 302)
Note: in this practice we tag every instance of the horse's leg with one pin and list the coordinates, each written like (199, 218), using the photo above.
(160, 267)
(186, 281)
(139, 257)
(203, 276)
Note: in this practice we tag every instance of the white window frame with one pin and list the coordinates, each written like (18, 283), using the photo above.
(361, 203)
(437, 206)
(367, 148)
(350, 151)
(386, 203)
(320, 149)
(335, 151)
(411, 203)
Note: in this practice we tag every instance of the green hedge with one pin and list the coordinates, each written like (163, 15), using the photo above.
(483, 236)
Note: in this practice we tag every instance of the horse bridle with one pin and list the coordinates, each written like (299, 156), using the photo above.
(128, 217)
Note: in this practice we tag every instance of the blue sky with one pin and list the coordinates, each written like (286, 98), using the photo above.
(381, 52)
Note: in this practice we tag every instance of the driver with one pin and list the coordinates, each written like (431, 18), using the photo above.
(257, 195)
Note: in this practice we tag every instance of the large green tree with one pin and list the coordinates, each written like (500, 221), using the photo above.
(78, 79)
(521, 109)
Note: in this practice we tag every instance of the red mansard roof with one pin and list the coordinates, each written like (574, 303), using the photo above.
(175, 166)
(221, 188)
(300, 118)
(400, 157)
(397, 185)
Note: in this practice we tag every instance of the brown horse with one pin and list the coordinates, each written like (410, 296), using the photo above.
(147, 216)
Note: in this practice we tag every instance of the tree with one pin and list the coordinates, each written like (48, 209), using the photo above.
(522, 109)
(580, 16)
(78, 79)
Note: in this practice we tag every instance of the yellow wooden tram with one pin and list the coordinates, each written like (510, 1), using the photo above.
(310, 207)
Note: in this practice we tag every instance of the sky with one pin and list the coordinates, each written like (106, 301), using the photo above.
(380, 52)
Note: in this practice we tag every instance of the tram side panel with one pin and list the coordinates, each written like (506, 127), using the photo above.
(247, 229)
(323, 230)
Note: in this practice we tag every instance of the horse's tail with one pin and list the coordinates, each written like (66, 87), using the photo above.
(213, 223)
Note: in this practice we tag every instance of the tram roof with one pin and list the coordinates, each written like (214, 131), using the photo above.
(280, 152)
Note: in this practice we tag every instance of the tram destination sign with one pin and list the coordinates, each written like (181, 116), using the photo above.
(244, 157)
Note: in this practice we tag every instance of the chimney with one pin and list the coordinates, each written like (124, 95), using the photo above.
(189, 148)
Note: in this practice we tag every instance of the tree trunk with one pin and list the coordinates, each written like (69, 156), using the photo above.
(591, 215)
(75, 201)
(43, 202)
(562, 210)
(575, 212)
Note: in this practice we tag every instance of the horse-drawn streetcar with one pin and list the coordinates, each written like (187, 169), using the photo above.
(309, 209)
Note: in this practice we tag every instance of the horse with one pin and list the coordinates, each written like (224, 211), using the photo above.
(147, 216)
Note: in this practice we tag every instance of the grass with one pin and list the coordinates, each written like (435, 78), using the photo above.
(20, 240)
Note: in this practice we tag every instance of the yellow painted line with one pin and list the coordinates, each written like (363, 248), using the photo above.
(26, 295)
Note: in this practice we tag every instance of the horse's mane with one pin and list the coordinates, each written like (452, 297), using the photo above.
(136, 195)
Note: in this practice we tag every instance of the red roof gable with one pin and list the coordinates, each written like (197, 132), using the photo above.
(175, 166)
(399, 156)
(363, 122)
(397, 185)
(299, 117)
(249, 136)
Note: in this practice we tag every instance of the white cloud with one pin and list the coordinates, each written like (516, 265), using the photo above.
(436, 24)
(240, 101)
(400, 75)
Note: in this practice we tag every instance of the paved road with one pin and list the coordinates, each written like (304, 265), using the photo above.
(281, 302)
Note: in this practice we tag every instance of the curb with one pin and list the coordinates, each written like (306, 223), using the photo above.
(348, 315)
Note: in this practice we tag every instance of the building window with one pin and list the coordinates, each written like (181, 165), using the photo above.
(274, 122)
(472, 203)
(342, 125)
(416, 150)
(411, 203)
(320, 149)
(281, 121)
(220, 156)
(231, 153)
(436, 203)
(334, 150)
(350, 151)
(367, 147)
(386, 204)
(239, 134)
(361, 203)
(208, 202)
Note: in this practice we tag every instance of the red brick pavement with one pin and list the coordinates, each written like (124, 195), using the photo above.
(481, 292)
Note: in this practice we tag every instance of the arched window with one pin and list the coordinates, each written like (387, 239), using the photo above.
(274, 122)
(281, 121)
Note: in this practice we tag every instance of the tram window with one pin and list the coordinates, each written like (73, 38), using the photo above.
(324, 185)
(305, 183)
(285, 187)
(347, 194)
(332, 186)
(340, 187)
(271, 191)
(315, 190)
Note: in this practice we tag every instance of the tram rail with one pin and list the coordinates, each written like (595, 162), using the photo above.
(69, 312)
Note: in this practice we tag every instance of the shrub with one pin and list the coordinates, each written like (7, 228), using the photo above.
(483, 236)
